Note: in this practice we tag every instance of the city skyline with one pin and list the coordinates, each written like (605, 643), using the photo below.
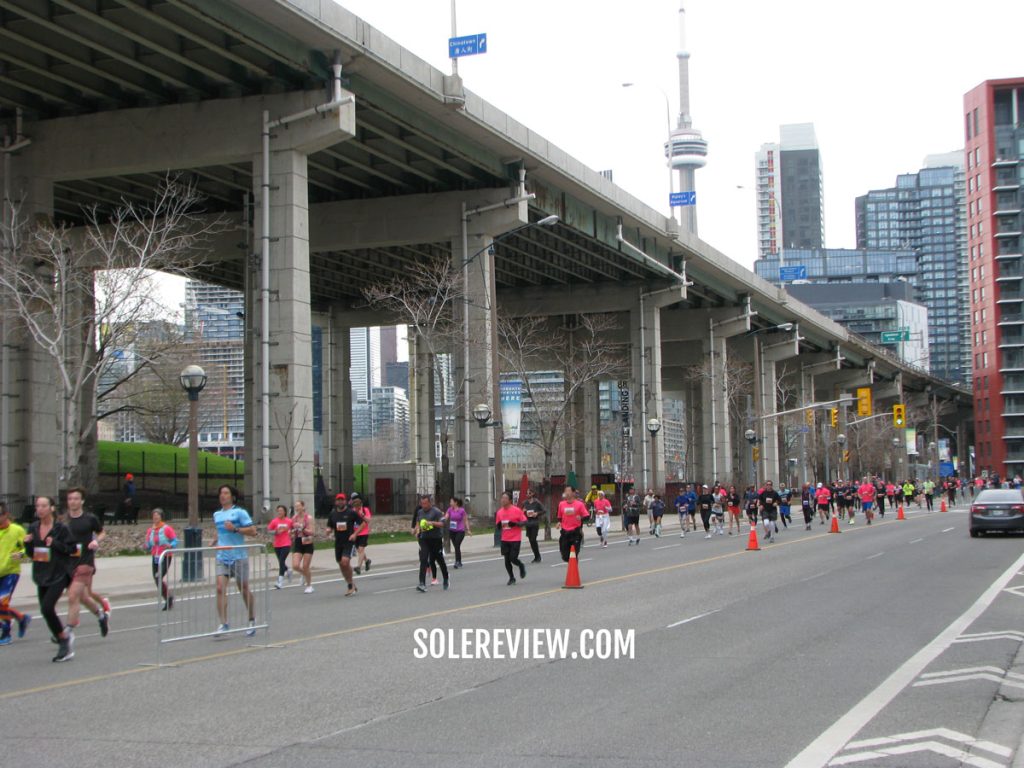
(816, 70)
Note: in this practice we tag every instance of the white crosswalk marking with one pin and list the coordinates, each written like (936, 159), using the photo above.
(924, 741)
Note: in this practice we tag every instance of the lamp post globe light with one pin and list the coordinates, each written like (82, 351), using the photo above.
(653, 426)
(751, 436)
(193, 379)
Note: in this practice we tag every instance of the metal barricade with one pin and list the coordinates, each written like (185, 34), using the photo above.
(205, 591)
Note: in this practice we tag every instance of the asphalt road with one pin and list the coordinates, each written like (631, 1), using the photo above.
(894, 645)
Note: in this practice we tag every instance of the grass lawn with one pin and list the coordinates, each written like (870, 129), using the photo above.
(159, 459)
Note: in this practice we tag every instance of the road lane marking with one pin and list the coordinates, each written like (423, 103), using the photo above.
(563, 565)
(668, 546)
(421, 617)
(815, 576)
(692, 618)
(872, 557)
(947, 530)
(916, 541)
(396, 589)
(820, 751)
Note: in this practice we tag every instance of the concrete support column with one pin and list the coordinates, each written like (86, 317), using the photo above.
(770, 352)
(291, 379)
(338, 431)
(716, 451)
(591, 438)
(31, 407)
(421, 405)
(476, 480)
(645, 340)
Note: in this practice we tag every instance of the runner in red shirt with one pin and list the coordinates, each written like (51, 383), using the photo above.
(867, 492)
(602, 513)
(571, 514)
(821, 497)
(512, 520)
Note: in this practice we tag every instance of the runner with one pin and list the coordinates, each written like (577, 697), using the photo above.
(535, 512)
(821, 498)
(344, 522)
(281, 528)
(631, 514)
(951, 492)
(571, 514)
(48, 545)
(718, 510)
(929, 493)
(769, 501)
(302, 544)
(589, 500)
(867, 492)
(807, 504)
(705, 502)
(363, 534)
(648, 501)
(733, 502)
(750, 504)
(657, 512)
(910, 493)
(86, 534)
(603, 515)
(161, 538)
(786, 496)
(850, 500)
(511, 520)
(458, 527)
(12, 551)
(427, 524)
(233, 525)
(680, 503)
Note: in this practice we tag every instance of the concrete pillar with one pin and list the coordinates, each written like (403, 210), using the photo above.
(474, 476)
(770, 353)
(30, 411)
(591, 430)
(645, 341)
(716, 450)
(338, 397)
(421, 406)
(291, 378)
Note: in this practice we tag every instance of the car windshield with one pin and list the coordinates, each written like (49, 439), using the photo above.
(995, 496)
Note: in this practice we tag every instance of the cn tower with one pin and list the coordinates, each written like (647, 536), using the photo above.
(686, 149)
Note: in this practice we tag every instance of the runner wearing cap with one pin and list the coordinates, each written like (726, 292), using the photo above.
(302, 544)
(344, 522)
(822, 496)
(603, 515)
(363, 534)
(705, 503)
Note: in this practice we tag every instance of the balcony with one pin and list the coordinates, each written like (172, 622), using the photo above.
(1006, 184)
(1008, 272)
(1006, 162)
(1011, 318)
(1011, 340)
(1009, 230)
(1009, 254)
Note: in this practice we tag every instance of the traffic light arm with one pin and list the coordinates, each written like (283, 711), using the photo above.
(810, 406)
(886, 415)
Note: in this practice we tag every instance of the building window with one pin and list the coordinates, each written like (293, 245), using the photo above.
(967, 126)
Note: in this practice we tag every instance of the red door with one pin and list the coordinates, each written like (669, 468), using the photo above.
(383, 496)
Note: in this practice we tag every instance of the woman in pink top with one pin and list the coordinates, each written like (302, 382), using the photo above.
(511, 519)
(302, 544)
(161, 538)
(281, 528)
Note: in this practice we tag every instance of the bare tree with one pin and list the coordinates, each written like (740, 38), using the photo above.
(426, 298)
(290, 430)
(80, 294)
(737, 386)
(582, 353)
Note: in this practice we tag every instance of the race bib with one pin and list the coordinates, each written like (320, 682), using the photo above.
(340, 526)
(453, 525)
(41, 555)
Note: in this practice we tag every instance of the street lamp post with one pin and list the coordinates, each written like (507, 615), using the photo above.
(668, 133)
(841, 442)
(653, 426)
(193, 379)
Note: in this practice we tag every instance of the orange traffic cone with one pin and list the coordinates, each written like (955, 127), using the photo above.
(899, 513)
(752, 545)
(835, 524)
(943, 507)
(572, 575)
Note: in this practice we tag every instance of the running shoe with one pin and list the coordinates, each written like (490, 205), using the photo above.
(368, 561)
(708, 536)
(357, 570)
(106, 604)
(104, 622)
(446, 585)
(65, 652)
(279, 583)
(522, 571)
(511, 582)
(221, 630)
(351, 590)
(23, 623)
(309, 590)
(421, 587)
(682, 535)
(433, 582)
(252, 628)
(289, 574)
(6, 639)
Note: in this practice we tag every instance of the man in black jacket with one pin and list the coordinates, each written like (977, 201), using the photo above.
(535, 513)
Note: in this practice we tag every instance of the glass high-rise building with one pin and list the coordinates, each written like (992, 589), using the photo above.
(994, 168)
(790, 192)
(926, 213)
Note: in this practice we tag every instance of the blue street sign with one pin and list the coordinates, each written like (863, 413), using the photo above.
(789, 274)
(468, 45)
(945, 468)
(677, 199)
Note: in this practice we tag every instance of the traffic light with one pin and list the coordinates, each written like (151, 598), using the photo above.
(899, 415)
(833, 416)
(809, 417)
(757, 453)
(863, 401)
(846, 456)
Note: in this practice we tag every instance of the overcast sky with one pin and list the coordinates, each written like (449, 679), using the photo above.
(883, 83)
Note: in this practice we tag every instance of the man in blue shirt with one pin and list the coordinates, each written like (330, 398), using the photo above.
(233, 526)
(691, 509)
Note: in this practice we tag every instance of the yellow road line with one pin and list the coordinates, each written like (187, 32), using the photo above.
(419, 617)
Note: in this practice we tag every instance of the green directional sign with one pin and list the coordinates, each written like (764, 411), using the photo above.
(895, 337)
